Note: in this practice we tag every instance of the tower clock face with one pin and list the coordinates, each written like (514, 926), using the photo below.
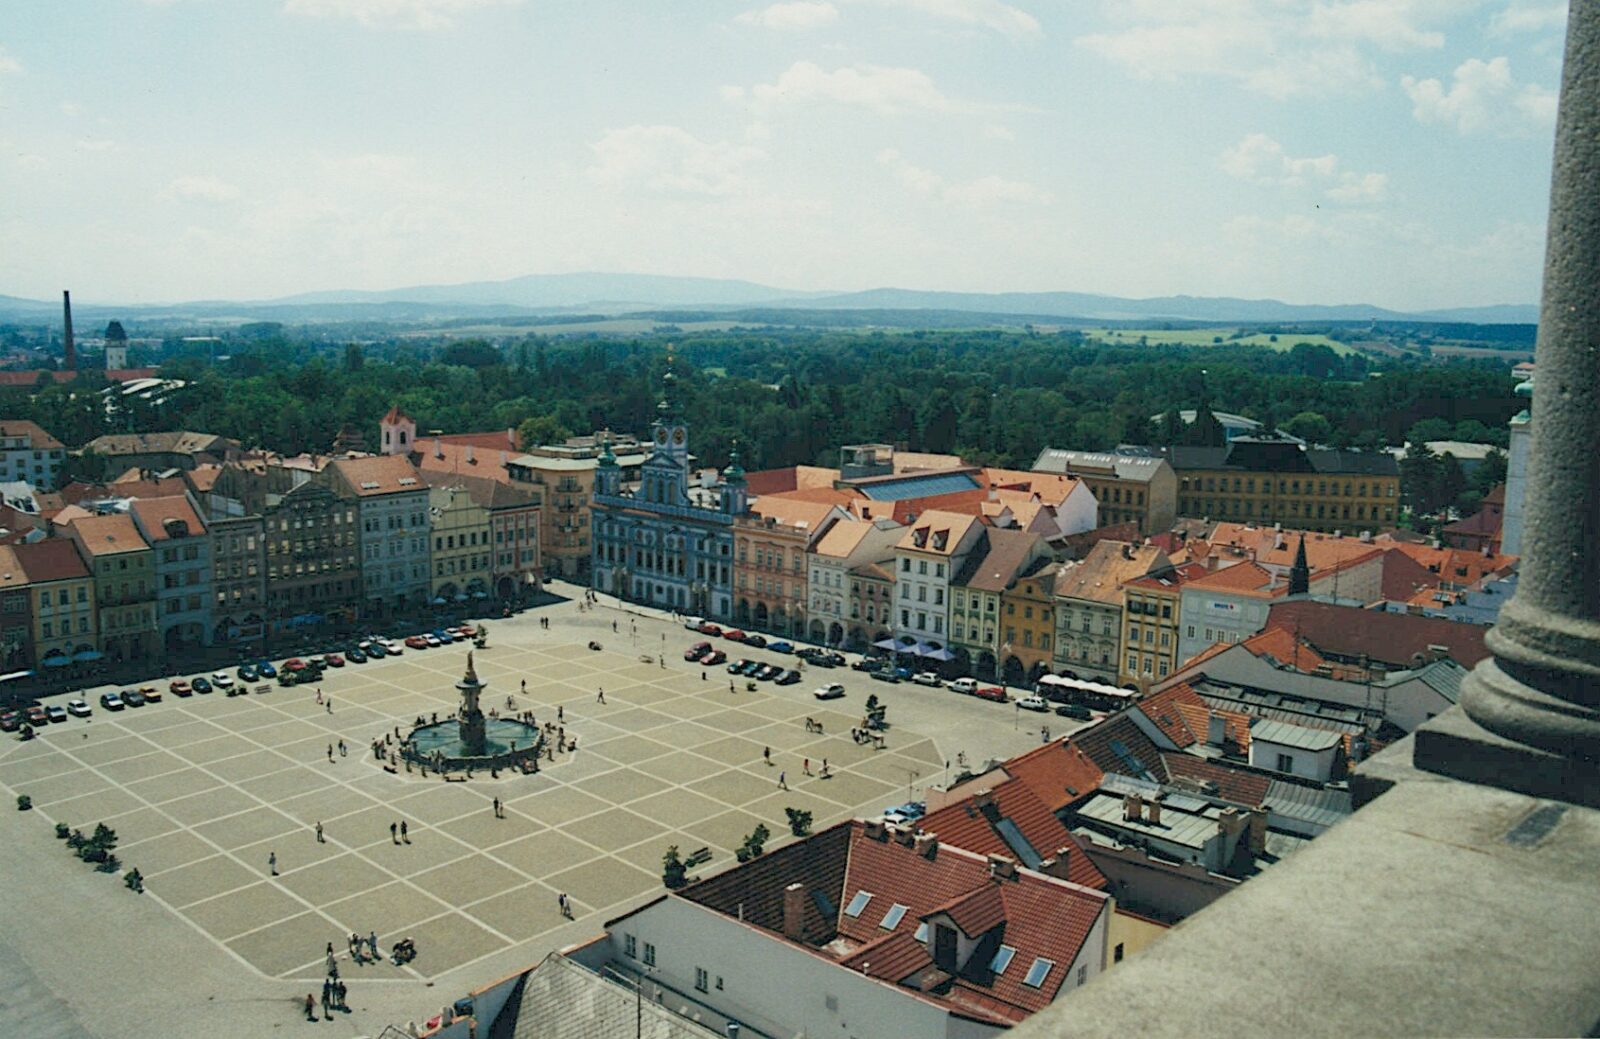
(677, 437)
(661, 436)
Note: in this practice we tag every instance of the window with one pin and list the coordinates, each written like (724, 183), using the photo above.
(1002, 959)
(1041, 970)
(892, 918)
(1116, 954)
(702, 982)
(1285, 762)
(1083, 974)
(857, 904)
(922, 932)
(649, 954)
(630, 947)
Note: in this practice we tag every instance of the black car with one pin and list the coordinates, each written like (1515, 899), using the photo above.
(867, 664)
(376, 651)
(738, 666)
(248, 673)
(768, 672)
(134, 698)
(755, 641)
(355, 656)
(199, 685)
(1074, 710)
(789, 677)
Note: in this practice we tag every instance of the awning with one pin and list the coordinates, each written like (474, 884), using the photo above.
(61, 661)
(436, 601)
(461, 597)
(87, 656)
(480, 595)
(939, 654)
(886, 644)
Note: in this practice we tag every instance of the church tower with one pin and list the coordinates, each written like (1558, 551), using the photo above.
(735, 492)
(670, 434)
(1300, 572)
(398, 432)
(607, 476)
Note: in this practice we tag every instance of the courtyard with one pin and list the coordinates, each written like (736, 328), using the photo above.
(209, 793)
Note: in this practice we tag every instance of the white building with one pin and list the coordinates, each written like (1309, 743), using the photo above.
(932, 547)
(392, 514)
(847, 544)
(29, 455)
(1295, 749)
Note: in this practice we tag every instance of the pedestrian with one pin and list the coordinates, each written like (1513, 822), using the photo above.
(320, 838)
(766, 755)
(564, 905)
(783, 780)
(319, 696)
(342, 751)
(613, 625)
(403, 838)
(272, 862)
(372, 944)
(330, 752)
(524, 687)
(497, 808)
(730, 685)
(805, 765)
(338, 996)
(394, 830)
(600, 697)
(702, 676)
(311, 1007)
(330, 705)
(561, 713)
(330, 955)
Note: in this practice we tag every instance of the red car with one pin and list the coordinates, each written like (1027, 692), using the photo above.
(696, 651)
(990, 692)
(294, 664)
(335, 660)
(735, 635)
(179, 687)
(11, 721)
(467, 630)
(416, 642)
(710, 629)
(716, 656)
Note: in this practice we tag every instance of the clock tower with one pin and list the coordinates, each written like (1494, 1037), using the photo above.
(670, 434)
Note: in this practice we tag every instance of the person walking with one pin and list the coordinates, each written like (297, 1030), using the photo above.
(783, 780)
(561, 713)
(564, 905)
(497, 808)
(329, 704)
(600, 697)
(320, 839)
(272, 862)
(372, 944)
(311, 1007)
(524, 687)
(766, 755)
(805, 765)
(330, 752)
(394, 831)
(342, 751)
(404, 839)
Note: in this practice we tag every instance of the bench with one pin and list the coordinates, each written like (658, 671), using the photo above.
(454, 779)
(697, 857)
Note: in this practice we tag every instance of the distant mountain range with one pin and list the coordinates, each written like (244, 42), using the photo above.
(598, 293)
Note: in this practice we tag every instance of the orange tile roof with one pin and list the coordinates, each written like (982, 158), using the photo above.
(1162, 710)
(378, 475)
(842, 539)
(791, 513)
(153, 514)
(439, 455)
(53, 559)
(1245, 578)
(1059, 773)
(38, 439)
(966, 824)
(108, 535)
(928, 528)
(1098, 577)
(1455, 565)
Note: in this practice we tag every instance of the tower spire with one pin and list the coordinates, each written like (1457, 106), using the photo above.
(1300, 572)
(668, 407)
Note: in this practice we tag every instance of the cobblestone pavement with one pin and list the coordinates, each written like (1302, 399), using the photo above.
(210, 794)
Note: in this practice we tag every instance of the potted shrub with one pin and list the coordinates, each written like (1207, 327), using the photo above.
(756, 842)
(24, 802)
(799, 821)
(63, 831)
(673, 871)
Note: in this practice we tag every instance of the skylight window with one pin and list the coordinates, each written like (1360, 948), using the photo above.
(892, 918)
(1002, 959)
(1038, 972)
(922, 932)
(857, 904)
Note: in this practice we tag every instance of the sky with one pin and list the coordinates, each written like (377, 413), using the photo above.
(1393, 152)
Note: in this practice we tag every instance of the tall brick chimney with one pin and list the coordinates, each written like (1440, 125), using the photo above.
(69, 352)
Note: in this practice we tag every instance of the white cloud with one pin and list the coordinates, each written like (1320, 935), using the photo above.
(985, 14)
(1483, 97)
(395, 14)
(984, 191)
(670, 160)
(1526, 17)
(888, 91)
(200, 188)
(1262, 160)
(800, 15)
(1281, 48)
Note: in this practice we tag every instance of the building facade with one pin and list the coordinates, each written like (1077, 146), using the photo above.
(975, 612)
(312, 550)
(62, 601)
(30, 455)
(833, 591)
(392, 518)
(871, 603)
(1027, 625)
(462, 555)
(1152, 619)
(933, 547)
(1266, 481)
(239, 556)
(1089, 607)
(1130, 488)
(771, 546)
(183, 573)
(124, 583)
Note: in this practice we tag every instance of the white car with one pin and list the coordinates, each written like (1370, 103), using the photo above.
(394, 647)
(1034, 702)
(831, 691)
(432, 640)
(78, 708)
(964, 685)
(927, 678)
(693, 623)
(221, 679)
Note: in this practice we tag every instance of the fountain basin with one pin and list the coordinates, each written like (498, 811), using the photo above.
(508, 743)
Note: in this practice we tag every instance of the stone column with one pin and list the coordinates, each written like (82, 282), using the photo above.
(1533, 710)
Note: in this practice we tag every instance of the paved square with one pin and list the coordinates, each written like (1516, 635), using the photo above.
(207, 791)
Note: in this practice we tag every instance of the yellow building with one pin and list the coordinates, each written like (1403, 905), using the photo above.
(124, 582)
(1151, 612)
(1279, 481)
(1028, 625)
(62, 595)
(459, 562)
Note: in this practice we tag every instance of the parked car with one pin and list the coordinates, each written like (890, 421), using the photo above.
(968, 686)
(734, 635)
(789, 677)
(710, 629)
(150, 693)
(1074, 710)
(868, 664)
(905, 813)
(991, 692)
(696, 651)
(221, 679)
(265, 669)
(10, 721)
(247, 673)
(78, 709)
(780, 647)
(320, 660)
(755, 641)
(831, 691)
(56, 713)
(335, 660)
(37, 716)
(767, 672)
(927, 678)
(693, 623)
(178, 687)
(443, 635)
(716, 656)
(111, 702)
(393, 647)
(288, 678)
(355, 656)
(133, 698)
(826, 660)
(378, 650)
(416, 642)
(738, 666)
(885, 676)
(432, 641)
(294, 664)
(201, 685)
(1034, 702)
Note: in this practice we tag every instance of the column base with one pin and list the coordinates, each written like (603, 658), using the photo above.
(1456, 746)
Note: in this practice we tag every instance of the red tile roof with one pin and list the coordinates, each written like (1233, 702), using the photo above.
(1118, 745)
(966, 824)
(894, 957)
(153, 514)
(1162, 710)
(38, 439)
(1396, 639)
(1233, 784)
(1059, 773)
(53, 559)
(377, 475)
(976, 912)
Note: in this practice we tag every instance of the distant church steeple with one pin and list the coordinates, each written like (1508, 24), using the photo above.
(1300, 572)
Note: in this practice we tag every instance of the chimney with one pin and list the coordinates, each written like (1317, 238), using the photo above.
(1132, 808)
(470, 460)
(505, 458)
(1153, 816)
(1127, 551)
(438, 448)
(906, 834)
(872, 829)
(511, 436)
(1258, 831)
(984, 802)
(1002, 867)
(68, 350)
(794, 912)
(926, 845)
(1058, 865)
(1216, 730)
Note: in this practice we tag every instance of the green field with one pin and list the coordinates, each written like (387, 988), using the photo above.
(1205, 337)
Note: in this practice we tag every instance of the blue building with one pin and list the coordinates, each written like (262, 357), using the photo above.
(666, 543)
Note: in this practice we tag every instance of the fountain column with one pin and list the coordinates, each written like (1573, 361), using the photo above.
(474, 741)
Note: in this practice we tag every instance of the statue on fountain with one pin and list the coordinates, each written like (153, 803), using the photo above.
(473, 738)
